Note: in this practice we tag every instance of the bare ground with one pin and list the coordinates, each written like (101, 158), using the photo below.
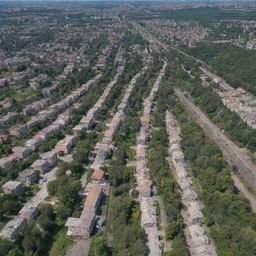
(79, 248)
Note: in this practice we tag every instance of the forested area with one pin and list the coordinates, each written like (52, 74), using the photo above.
(227, 214)
(235, 64)
(226, 120)
(204, 15)
(211, 104)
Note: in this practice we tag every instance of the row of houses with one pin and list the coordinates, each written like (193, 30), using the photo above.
(35, 83)
(34, 107)
(144, 184)
(189, 195)
(47, 161)
(14, 77)
(60, 123)
(103, 148)
(102, 59)
(87, 120)
(65, 146)
(20, 153)
(11, 229)
(237, 100)
(78, 227)
(43, 116)
(9, 118)
(82, 227)
(29, 176)
(143, 181)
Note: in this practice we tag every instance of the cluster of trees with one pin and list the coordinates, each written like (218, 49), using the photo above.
(51, 71)
(227, 120)
(9, 205)
(66, 189)
(12, 43)
(204, 15)
(35, 236)
(86, 144)
(227, 213)
(223, 59)
(210, 102)
(5, 149)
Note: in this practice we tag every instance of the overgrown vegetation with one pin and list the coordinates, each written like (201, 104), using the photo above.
(210, 102)
(227, 214)
(223, 58)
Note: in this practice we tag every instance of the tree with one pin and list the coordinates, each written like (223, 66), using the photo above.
(27, 243)
(45, 222)
(68, 194)
(47, 210)
(4, 247)
(99, 246)
(52, 187)
(62, 212)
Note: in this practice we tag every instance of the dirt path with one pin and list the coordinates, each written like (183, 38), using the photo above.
(79, 248)
(246, 193)
(42, 194)
(164, 224)
(234, 155)
(187, 71)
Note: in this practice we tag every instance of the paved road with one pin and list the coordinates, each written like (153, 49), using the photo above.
(164, 224)
(41, 195)
(235, 155)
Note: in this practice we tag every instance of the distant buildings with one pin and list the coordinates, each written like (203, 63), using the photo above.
(237, 100)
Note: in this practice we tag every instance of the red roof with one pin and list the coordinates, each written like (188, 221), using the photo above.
(98, 174)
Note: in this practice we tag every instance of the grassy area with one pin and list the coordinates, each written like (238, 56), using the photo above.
(60, 243)
(2, 224)
(27, 95)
